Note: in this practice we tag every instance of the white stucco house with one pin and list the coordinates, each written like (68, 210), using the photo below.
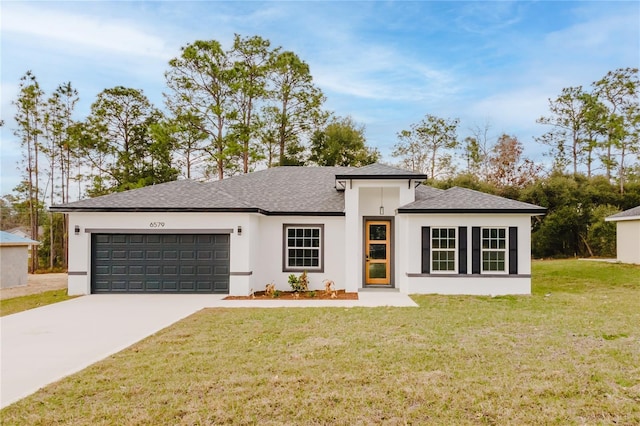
(14, 258)
(627, 235)
(374, 227)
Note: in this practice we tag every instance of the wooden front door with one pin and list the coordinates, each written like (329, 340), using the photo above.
(377, 252)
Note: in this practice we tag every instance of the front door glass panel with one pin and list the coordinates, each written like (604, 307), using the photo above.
(377, 252)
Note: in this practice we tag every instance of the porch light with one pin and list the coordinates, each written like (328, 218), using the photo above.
(381, 201)
(381, 210)
(76, 230)
(239, 230)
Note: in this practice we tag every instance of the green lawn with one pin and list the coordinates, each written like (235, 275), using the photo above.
(569, 354)
(22, 303)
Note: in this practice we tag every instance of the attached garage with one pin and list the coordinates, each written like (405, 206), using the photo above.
(159, 263)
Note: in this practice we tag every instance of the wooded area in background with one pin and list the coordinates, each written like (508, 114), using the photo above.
(253, 106)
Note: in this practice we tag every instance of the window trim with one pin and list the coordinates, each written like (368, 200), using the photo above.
(455, 250)
(285, 247)
(505, 250)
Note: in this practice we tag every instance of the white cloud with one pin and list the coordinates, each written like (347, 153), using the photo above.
(80, 30)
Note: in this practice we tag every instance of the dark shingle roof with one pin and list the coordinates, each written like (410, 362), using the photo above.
(463, 200)
(424, 192)
(298, 190)
(289, 190)
(380, 171)
(180, 195)
(625, 214)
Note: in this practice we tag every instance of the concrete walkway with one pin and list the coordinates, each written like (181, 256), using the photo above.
(43, 345)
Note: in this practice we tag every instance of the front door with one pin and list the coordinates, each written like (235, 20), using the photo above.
(377, 252)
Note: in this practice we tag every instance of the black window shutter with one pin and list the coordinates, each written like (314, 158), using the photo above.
(426, 249)
(462, 250)
(513, 250)
(475, 250)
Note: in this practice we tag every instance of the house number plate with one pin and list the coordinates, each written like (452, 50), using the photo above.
(156, 225)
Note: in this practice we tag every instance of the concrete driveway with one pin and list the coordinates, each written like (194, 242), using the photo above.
(43, 345)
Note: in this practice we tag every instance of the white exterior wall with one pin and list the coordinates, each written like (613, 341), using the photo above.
(13, 265)
(268, 261)
(241, 246)
(410, 256)
(628, 241)
(363, 198)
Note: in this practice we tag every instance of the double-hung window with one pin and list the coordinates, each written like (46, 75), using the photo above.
(443, 250)
(303, 248)
(494, 250)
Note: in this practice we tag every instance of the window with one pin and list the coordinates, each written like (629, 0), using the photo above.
(303, 248)
(443, 249)
(494, 249)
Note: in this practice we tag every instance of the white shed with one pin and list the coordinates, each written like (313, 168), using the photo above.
(628, 235)
(14, 257)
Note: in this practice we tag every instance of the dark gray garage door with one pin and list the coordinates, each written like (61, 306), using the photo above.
(160, 263)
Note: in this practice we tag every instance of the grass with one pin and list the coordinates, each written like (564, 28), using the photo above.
(22, 303)
(568, 354)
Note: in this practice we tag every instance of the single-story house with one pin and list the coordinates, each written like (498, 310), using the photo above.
(627, 235)
(14, 259)
(373, 227)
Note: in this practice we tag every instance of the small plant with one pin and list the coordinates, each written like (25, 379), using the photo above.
(303, 281)
(276, 294)
(312, 294)
(270, 289)
(299, 284)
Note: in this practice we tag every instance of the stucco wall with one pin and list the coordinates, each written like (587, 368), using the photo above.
(242, 274)
(409, 256)
(628, 241)
(269, 252)
(13, 266)
(363, 199)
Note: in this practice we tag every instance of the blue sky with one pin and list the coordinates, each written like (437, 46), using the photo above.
(387, 64)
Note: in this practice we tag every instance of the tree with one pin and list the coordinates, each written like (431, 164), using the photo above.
(183, 133)
(117, 141)
(427, 146)
(476, 149)
(201, 81)
(342, 143)
(575, 119)
(251, 63)
(294, 107)
(618, 91)
(29, 119)
(507, 166)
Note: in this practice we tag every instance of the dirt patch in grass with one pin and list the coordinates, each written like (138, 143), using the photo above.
(36, 283)
(290, 295)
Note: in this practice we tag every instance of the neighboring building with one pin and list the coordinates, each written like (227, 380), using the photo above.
(627, 235)
(369, 227)
(14, 258)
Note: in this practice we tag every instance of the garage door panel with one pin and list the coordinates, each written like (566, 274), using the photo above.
(174, 263)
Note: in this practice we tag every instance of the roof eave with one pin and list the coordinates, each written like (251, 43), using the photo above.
(383, 177)
(621, 218)
(156, 209)
(534, 212)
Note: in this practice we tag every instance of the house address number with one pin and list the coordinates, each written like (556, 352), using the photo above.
(156, 225)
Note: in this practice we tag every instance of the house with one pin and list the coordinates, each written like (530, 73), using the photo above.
(373, 227)
(14, 258)
(628, 235)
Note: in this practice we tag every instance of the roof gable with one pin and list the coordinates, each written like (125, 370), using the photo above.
(464, 200)
(380, 171)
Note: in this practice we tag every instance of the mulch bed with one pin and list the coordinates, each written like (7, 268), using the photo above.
(290, 295)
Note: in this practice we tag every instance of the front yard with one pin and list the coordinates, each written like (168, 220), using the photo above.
(568, 354)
